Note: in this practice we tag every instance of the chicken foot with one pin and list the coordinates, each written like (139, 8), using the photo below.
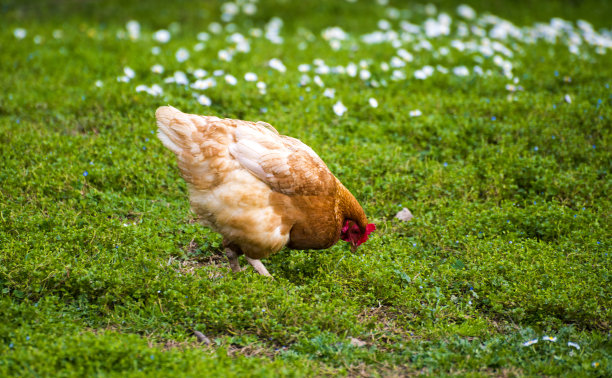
(258, 266)
(232, 251)
(232, 257)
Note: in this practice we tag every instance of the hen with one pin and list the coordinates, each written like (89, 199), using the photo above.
(260, 190)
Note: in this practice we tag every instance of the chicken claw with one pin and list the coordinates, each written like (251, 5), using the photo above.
(232, 257)
(259, 267)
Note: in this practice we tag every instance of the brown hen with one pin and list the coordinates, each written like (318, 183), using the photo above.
(260, 190)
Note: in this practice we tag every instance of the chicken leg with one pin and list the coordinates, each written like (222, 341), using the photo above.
(232, 257)
(258, 266)
(233, 251)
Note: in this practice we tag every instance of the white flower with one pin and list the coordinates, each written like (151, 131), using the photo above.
(567, 99)
(365, 75)
(338, 70)
(123, 79)
(20, 33)
(38, 39)
(180, 78)
(250, 76)
(405, 55)
(397, 62)
(230, 9)
(384, 66)
(373, 103)
(459, 45)
(215, 28)
(243, 46)
(548, 338)
(335, 44)
(161, 36)
(204, 100)
(339, 108)
(425, 44)
(530, 342)
(199, 85)
(261, 86)
(415, 113)
(374, 37)
(155, 50)
(249, 9)
(58, 34)
(230, 79)
(329, 93)
(203, 36)
(155, 90)
(574, 49)
(133, 28)
(157, 68)
(225, 55)
(444, 19)
(430, 9)
(442, 69)
(277, 65)
(384, 25)
(199, 73)
(182, 55)
(273, 29)
(466, 12)
(351, 69)
(398, 75)
(461, 71)
(129, 73)
(574, 345)
(322, 69)
(99, 83)
(424, 72)
(433, 28)
(204, 84)
(304, 67)
(317, 80)
(334, 33)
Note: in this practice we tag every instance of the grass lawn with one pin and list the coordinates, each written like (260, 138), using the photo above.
(491, 123)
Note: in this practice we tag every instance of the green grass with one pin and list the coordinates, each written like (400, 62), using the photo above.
(107, 273)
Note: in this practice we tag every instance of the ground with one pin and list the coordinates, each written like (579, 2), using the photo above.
(490, 123)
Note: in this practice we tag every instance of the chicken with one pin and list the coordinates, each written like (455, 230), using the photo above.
(260, 190)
